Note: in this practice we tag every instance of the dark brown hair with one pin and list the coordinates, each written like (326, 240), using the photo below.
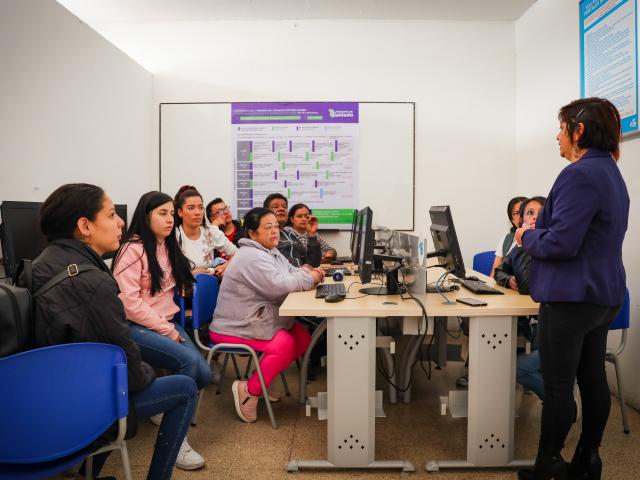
(601, 122)
(62, 209)
(185, 191)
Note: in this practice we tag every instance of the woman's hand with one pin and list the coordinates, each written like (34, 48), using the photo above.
(520, 232)
(199, 270)
(512, 283)
(219, 270)
(218, 220)
(312, 226)
(318, 276)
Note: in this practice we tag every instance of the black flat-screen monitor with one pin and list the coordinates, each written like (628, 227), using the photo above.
(445, 240)
(365, 242)
(20, 233)
(355, 227)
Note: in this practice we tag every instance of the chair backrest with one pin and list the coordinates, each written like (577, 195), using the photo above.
(483, 262)
(57, 400)
(622, 320)
(205, 298)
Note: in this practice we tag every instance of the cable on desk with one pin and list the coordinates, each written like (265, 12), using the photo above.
(353, 298)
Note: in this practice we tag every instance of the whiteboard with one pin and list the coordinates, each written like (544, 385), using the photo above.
(195, 149)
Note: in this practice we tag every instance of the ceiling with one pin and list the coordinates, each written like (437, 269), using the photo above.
(95, 12)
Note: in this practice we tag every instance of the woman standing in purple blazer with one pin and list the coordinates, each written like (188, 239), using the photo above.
(578, 277)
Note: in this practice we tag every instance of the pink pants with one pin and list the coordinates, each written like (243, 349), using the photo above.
(279, 352)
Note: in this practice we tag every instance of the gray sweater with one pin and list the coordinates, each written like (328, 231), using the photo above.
(255, 284)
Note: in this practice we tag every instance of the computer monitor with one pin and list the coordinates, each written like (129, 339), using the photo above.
(355, 228)
(20, 234)
(445, 240)
(365, 240)
(366, 257)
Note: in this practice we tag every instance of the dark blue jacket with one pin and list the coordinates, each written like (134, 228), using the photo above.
(577, 243)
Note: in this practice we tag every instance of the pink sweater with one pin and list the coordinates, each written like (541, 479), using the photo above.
(134, 279)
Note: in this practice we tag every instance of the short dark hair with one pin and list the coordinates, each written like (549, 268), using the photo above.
(185, 191)
(294, 209)
(601, 121)
(209, 209)
(272, 197)
(252, 218)
(526, 201)
(62, 209)
(510, 205)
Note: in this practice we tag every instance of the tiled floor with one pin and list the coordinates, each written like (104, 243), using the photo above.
(415, 432)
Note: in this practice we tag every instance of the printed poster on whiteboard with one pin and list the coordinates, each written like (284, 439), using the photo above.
(306, 151)
(609, 59)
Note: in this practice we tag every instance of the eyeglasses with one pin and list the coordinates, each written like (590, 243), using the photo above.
(222, 211)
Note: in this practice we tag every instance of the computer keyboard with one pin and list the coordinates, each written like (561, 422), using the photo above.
(331, 289)
(480, 288)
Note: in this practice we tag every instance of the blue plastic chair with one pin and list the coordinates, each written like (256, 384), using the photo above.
(55, 402)
(483, 262)
(621, 322)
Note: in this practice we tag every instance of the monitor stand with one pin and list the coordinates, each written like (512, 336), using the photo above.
(393, 286)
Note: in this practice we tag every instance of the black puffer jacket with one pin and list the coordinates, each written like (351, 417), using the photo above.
(83, 308)
(515, 264)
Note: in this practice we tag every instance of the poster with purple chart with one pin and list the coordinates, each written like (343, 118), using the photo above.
(306, 151)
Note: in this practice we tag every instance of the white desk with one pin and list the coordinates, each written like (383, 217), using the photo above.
(351, 343)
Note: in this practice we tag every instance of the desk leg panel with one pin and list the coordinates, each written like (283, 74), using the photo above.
(492, 348)
(351, 345)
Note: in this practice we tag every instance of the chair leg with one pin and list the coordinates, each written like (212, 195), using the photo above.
(285, 384)
(88, 468)
(194, 420)
(264, 391)
(223, 373)
(126, 466)
(623, 405)
(247, 370)
(235, 367)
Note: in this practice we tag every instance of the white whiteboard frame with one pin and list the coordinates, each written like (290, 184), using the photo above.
(223, 137)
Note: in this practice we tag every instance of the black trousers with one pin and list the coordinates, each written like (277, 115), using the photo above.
(572, 339)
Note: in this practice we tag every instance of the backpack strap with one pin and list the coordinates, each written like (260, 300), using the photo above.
(71, 271)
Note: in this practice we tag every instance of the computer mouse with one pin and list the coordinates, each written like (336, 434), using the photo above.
(473, 277)
(333, 298)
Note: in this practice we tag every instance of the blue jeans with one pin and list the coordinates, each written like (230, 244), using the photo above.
(176, 397)
(182, 358)
(529, 373)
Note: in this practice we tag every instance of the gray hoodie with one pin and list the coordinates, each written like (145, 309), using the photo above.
(255, 284)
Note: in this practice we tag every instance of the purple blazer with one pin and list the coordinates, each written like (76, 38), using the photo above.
(577, 243)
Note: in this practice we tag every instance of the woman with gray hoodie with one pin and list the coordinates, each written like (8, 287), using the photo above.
(255, 285)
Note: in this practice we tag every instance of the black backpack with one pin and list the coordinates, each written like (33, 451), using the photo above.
(16, 307)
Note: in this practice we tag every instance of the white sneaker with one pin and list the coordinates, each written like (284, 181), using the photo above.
(188, 458)
(156, 419)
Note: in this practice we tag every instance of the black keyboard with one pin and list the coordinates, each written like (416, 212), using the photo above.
(331, 289)
(480, 288)
(343, 259)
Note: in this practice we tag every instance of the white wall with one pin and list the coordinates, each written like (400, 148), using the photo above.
(460, 74)
(73, 107)
(547, 77)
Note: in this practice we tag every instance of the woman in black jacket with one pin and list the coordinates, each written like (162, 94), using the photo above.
(514, 271)
(80, 224)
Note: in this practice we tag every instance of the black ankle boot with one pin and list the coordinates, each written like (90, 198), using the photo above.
(547, 467)
(585, 465)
